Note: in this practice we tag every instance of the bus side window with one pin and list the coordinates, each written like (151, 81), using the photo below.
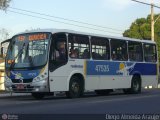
(150, 52)
(119, 50)
(78, 46)
(135, 51)
(100, 48)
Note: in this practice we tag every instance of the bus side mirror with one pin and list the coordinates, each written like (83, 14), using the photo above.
(1, 53)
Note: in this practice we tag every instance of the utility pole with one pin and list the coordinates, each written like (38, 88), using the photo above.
(152, 20)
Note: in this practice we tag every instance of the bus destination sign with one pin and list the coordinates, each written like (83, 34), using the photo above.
(33, 37)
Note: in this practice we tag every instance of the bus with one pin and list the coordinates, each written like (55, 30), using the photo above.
(48, 61)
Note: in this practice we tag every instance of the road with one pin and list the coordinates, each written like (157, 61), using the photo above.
(148, 102)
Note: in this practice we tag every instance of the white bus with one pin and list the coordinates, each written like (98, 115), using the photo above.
(47, 61)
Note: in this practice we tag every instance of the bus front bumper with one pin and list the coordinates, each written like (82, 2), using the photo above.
(38, 86)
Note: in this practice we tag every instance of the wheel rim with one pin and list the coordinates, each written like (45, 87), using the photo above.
(75, 87)
(136, 86)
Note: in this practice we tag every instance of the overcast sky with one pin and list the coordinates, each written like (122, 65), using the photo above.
(116, 14)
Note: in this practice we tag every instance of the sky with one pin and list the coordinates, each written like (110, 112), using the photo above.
(115, 16)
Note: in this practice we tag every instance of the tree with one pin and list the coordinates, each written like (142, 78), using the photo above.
(4, 4)
(141, 29)
(4, 34)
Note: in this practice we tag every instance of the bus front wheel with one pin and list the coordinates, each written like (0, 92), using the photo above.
(75, 88)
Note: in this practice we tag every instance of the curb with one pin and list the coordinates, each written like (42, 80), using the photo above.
(3, 92)
(9, 94)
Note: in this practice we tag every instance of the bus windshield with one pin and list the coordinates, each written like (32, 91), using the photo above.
(28, 50)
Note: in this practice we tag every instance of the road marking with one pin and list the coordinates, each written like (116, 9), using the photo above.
(123, 99)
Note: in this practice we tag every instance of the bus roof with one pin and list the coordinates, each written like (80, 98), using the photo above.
(90, 34)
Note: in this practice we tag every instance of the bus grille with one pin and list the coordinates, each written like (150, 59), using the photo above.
(24, 81)
(27, 88)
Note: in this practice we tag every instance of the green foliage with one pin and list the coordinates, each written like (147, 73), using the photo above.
(141, 29)
(4, 4)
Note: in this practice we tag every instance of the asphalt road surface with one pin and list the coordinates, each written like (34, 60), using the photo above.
(148, 102)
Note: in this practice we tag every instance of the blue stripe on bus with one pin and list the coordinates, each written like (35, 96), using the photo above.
(25, 74)
(120, 68)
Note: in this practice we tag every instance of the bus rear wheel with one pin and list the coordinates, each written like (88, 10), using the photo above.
(135, 86)
(38, 96)
(75, 88)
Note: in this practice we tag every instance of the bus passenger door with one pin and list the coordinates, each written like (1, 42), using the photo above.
(57, 63)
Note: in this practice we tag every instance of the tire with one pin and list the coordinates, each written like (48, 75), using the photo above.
(38, 96)
(103, 92)
(75, 88)
(135, 86)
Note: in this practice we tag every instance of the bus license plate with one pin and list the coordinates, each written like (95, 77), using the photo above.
(20, 86)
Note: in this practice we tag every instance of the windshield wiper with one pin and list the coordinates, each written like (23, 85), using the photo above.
(31, 61)
(19, 53)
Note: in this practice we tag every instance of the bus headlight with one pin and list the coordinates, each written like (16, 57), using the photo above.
(40, 78)
(39, 81)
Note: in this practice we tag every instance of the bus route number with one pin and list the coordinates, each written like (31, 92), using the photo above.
(102, 68)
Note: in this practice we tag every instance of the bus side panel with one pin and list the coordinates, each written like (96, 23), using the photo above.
(92, 82)
(60, 78)
(109, 74)
(148, 72)
(115, 75)
(149, 80)
(115, 82)
(102, 74)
